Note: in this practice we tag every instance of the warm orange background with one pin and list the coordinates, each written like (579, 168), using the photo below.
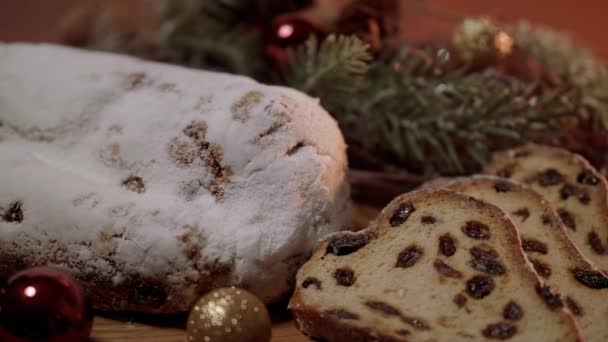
(585, 20)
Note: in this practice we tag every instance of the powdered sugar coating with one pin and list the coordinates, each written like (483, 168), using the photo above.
(132, 173)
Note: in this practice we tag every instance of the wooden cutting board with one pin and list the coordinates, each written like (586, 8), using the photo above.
(170, 328)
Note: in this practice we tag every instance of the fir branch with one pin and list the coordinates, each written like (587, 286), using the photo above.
(431, 121)
(334, 66)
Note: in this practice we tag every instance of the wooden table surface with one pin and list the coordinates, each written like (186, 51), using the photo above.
(106, 330)
(165, 328)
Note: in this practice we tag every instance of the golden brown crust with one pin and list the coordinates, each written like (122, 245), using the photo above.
(318, 327)
(504, 158)
(543, 149)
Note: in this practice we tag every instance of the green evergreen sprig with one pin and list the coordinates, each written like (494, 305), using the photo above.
(337, 66)
(414, 114)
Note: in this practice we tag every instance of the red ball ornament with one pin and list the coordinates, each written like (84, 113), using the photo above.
(293, 29)
(44, 304)
(290, 30)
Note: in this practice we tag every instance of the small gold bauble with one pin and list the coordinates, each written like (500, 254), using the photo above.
(481, 41)
(229, 315)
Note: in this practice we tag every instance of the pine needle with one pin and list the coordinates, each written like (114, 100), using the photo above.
(432, 121)
(334, 66)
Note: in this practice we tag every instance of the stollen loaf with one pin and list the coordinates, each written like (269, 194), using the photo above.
(153, 183)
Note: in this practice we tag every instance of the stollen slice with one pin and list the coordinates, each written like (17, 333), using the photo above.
(548, 248)
(411, 276)
(574, 188)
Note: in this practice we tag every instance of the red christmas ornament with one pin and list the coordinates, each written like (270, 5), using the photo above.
(44, 304)
(290, 30)
(293, 29)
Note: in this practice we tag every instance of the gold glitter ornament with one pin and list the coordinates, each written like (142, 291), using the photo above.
(229, 315)
(480, 41)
